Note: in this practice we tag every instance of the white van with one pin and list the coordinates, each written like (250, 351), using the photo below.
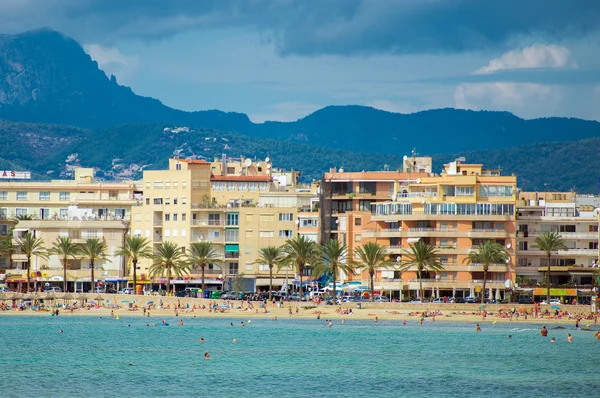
(314, 295)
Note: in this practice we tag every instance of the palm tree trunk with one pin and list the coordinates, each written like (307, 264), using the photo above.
(93, 284)
(134, 262)
(169, 281)
(548, 283)
(202, 267)
(28, 272)
(484, 280)
(65, 275)
(333, 274)
(420, 286)
(371, 274)
(300, 269)
(270, 280)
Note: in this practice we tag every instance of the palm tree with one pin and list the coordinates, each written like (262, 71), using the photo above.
(169, 259)
(423, 256)
(135, 247)
(299, 253)
(549, 242)
(372, 256)
(272, 256)
(64, 248)
(7, 248)
(94, 249)
(333, 262)
(200, 254)
(487, 253)
(30, 246)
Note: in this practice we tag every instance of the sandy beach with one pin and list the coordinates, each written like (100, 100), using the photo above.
(129, 306)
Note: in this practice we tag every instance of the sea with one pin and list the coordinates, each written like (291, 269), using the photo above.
(290, 358)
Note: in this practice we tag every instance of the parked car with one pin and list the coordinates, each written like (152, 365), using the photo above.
(4, 290)
(415, 301)
(52, 289)
(552, 302)
(382, 299)
(295, 297)
(525, 300)
(471, 300)
(439, 300)
(125, 291)
(458, 300)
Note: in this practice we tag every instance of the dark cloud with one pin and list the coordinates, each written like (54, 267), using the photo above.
(316, 27)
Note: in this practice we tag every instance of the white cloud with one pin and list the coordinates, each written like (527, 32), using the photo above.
(284, 112)
(523, 99)
(113, 62)
(535, 56)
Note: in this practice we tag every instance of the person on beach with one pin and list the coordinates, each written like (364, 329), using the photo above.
(544, 331)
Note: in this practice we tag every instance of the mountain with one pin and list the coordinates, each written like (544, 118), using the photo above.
(50, 79)
(52, 151)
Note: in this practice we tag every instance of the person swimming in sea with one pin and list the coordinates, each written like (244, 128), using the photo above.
(553, 340)
(569, 338)
(544, 331)
(510, 336)
(207, 356)
(202, 339)
(477, 328)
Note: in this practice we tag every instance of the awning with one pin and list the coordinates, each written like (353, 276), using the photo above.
(413, 240)
(20, 229)
(56, 278)
(276, 282)
(232, 248)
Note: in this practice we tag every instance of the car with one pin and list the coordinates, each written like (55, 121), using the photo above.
(295, 297)
(182, 293)
(459, 300)
(125, 291)
(52, 289)
(4, 290)
(525, 300)
(415, 301)
(552, 302)
(439, 300)
(381, 299)
(471, 300)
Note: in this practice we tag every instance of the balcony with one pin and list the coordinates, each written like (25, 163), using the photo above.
(488, 233)
(491, 268)
(576, 269)
(212, 239)
(417, 215)
(230, 255)
(157, 223)
(578, 252)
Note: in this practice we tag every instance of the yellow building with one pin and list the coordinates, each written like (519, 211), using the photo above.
(455, 211)
(235, 204)
(80, 208)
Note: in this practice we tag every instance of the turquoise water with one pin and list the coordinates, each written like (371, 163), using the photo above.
(290, 358)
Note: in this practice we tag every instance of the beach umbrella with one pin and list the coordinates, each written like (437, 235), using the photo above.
(98, 298)
(482, 307)
(3, 297)
(16, 296)
(555, 307)
(490, 294)
(150, 303)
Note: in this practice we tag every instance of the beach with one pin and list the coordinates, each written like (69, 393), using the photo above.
(157, 307)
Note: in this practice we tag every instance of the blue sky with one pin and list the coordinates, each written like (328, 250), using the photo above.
(282, 59)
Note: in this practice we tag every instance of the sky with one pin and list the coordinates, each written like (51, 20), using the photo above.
(283, 59)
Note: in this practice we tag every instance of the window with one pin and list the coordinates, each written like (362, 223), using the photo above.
(3, 195)
(231, 186)
(167, 217)
(285, 233)
(233, 268)
(364, 205)
(183, 200)
(167, 201)
(183, 233)
(147, 201)
(285, 216)
(21, 195)
(464, 191)
(20, 212)
(242, 186)
(183, 217)
(266, 218)
(309, 222)
(357, 238)
(44, 214)
(174, 233)
(175, 184)
(44, 195)
(357, 221)
(265, 234)
(184, 184)
(214, 219)
(63, 214)
(252, 186)
(119, 214)
(232, 235)
(167, 233)
(218, 186)
(64, 196)
(175, 201)
(178, 166)
(167, 184)
(158, 201)
(232, 219)
(174, 216)
(158, 184)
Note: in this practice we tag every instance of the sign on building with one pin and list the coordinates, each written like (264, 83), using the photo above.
(17, 175)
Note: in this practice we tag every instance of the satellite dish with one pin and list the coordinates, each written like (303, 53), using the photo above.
(267, 159)
(404, 157)
(418, 180)
(268, 165)
(508, 245)
(596, 212)
(393, 197)
(248, 162)
(398, 259)
(508, 284)
(507, 260)
(297, 221)
(422, 200)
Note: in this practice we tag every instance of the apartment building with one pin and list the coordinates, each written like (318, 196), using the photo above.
(455, 211)
(575, 218)
(80, 208)
(234, 203)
